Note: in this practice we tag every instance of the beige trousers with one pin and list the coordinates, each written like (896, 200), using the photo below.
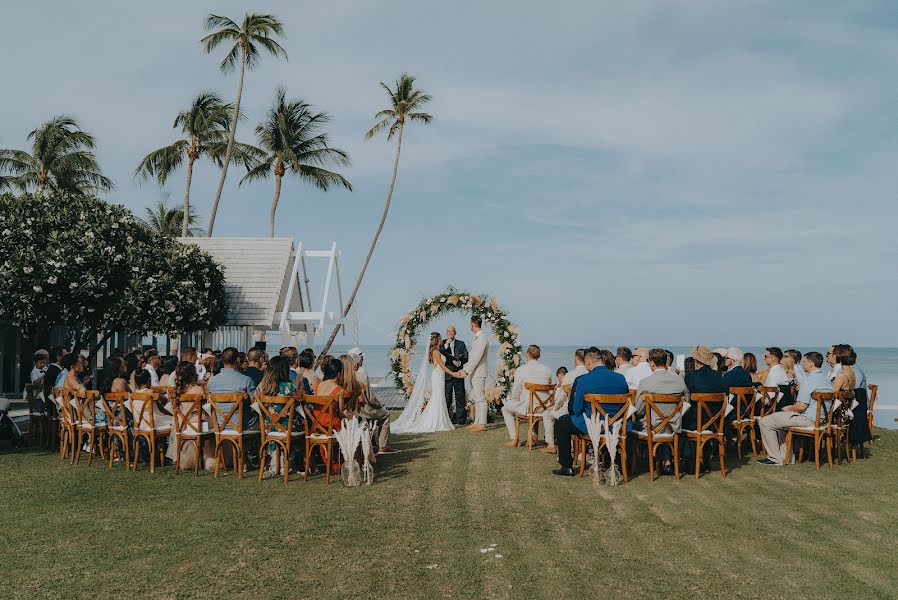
(773, 432)
(508, 410)
(549, 418)
(478, 396)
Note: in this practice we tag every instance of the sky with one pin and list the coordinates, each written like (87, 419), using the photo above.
(645, 173)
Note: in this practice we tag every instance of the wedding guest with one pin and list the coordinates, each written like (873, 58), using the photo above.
(788, 364)
(736, 375)
(559, 409)
(671, 362)
(231, 381)
(795, 355)
(209, 366)
(372, 409)
(351, 387)
(167, 372)
(53, 369)
(152, 363)
(640, 369)
(847, 380)
(600, 380)
(306, 362)
(703, 380)
(622, 360)
(292, 357)
(253, 368)
(688, 365)
(858, 371)
(750, 364)
(185, 381)
(331, 369)
(518, 401)
(68, 363)
(800, 414)
(560, 372)
(721, 361)
(776, 375)
(35, 387)
(113, 377)
(661, 381)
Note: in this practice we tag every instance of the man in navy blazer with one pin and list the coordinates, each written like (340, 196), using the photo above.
(736, 375)
(601, 379)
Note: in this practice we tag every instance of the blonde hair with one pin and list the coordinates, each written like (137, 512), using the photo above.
(788, 363)
(347, 379)
(435, 340)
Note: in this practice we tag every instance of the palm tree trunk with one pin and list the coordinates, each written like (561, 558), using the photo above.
(274, 204)
(380, 227)
(186, 220)
(230, 148)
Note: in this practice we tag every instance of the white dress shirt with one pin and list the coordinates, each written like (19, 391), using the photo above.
(776, 376)
(636, 374)
(532, 371)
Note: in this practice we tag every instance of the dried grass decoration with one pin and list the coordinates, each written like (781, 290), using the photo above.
(597, 428)
(348, 438)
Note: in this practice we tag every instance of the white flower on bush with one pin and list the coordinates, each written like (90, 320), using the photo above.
(73, 285)
(51, 279)
(28, 270)
(37, 288)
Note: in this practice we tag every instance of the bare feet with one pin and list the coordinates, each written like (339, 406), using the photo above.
(512, 444)
(476, 427)
(549, 450)
(388, 450)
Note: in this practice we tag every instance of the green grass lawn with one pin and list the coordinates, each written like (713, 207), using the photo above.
(764, 532)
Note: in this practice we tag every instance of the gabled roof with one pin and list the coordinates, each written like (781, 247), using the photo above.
(257, 272)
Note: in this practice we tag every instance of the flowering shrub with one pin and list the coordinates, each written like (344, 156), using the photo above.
(504, 332)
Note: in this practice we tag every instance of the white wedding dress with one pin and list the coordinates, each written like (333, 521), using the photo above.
(435, 416)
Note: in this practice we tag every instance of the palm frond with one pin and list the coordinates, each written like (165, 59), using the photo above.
(159, 164)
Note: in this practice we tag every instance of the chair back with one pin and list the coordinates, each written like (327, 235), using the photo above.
(567, 390)
(874, 389)
(143, 409)
(66, 410)
(596, 401)
(187, 412)
(276, 415)
(322, 415)
(766, 400)
(710, 410)
(826, 407)
(746, 401)
(351, 402)
(114, 406)
(654, 407)
(227, 411)
(86, 407)
(542, 397)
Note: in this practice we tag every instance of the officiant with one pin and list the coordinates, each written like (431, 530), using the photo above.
(456, 355)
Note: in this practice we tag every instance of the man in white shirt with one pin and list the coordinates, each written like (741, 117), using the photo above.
(776, 374)
(622, 360)
(152, 362)
(640, 370)
(518, 401)
(559, 407)
(476, 368)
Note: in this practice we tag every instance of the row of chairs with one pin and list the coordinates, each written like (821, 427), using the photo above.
(112, 424)
(831, 423)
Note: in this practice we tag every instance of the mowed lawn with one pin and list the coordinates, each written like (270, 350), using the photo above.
(763, 532)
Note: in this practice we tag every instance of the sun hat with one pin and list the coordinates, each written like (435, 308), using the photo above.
(720, 351)
(356, 354)
(734, 354)
(704, 355)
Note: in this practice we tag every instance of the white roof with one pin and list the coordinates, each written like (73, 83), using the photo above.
(257, 271)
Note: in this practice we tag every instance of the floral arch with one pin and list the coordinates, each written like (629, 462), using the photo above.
(503, 332)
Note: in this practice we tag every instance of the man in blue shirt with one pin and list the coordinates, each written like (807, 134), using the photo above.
(231, 381)
(601, 379)
(801, 414)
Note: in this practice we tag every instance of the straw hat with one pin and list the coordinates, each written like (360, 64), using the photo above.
(704, 355)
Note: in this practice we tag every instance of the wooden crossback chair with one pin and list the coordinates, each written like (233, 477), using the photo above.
(320, 419)
(114, 404)
(661, 434)
(874, 390)
(187, 413)
(596, 401)
(276, 424)
(710, 410)
(66, 422)
(767, 397)
(840, 424)
(822, 430)
(228, 420)
(536, 406)
(351, 404)
(143, 414)
(87, 426)
(746, 403)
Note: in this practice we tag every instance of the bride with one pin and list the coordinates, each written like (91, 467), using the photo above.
(435, 416)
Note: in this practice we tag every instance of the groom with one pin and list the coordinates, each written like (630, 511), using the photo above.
(456, 354)
(475, 368)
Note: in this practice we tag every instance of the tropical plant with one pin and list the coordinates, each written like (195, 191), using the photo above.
(249, 39)
(205, 126)
(61, 159)
(291, 138)
(405, 106)
(167, 221)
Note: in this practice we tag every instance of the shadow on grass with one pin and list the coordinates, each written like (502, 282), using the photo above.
(392, 466)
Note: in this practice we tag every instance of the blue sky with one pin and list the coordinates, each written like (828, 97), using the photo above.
(642, 173)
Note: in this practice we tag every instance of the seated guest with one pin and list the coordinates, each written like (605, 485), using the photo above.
(721, 361)
(671, 362)
(209, 365)
(800, 414)
(167, 372)
(776, 374)
(113, 377)
(858, 371)
(292, 357)
(231, 381)
(559, 409)
(371, 409)
(795, 355)
(330, 387)
(143, 385)
(35, 387)
(703, 380)
(518, 400)
(74, 367)
(640, 369)
(276, 382)
(253, 368)
(65, 365)
(688, 365)
(352, 389)
(188, 353)
(788, 364)
(661, 381)
(736, 375)
(185, 381)
(600, 380)
(152, 362)
(560, 372)
(750, 364)
(848, 380)
(622, 360)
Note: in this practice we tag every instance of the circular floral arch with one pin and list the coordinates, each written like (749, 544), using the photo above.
(487, 308)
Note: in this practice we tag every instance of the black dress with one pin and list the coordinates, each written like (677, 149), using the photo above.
(859, 429)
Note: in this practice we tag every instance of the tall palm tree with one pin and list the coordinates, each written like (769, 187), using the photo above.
(61, 159)
(405, 106)
(205, 126)
(249, 39)
(167, 220)
(290, 137)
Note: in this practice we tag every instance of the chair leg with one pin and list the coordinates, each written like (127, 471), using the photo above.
(327, 448)
(263, 454)
(179, 443)
(582, 444)
(623, 459)
(651, 459)
(676, 457)
(517, 424)
(829, 451)
(698, 457)
(239, 461)
(308, 456)
(721, 454)
(286, 461)
(754, 445)
(789, 448)
(91, 438)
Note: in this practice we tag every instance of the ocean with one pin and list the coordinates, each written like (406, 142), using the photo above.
(880, 365)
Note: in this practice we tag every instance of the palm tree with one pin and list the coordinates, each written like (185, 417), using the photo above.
(167, 220)
(249, 39)
(61, 159)
(205, 126)
(405, 106)
(291, 138)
